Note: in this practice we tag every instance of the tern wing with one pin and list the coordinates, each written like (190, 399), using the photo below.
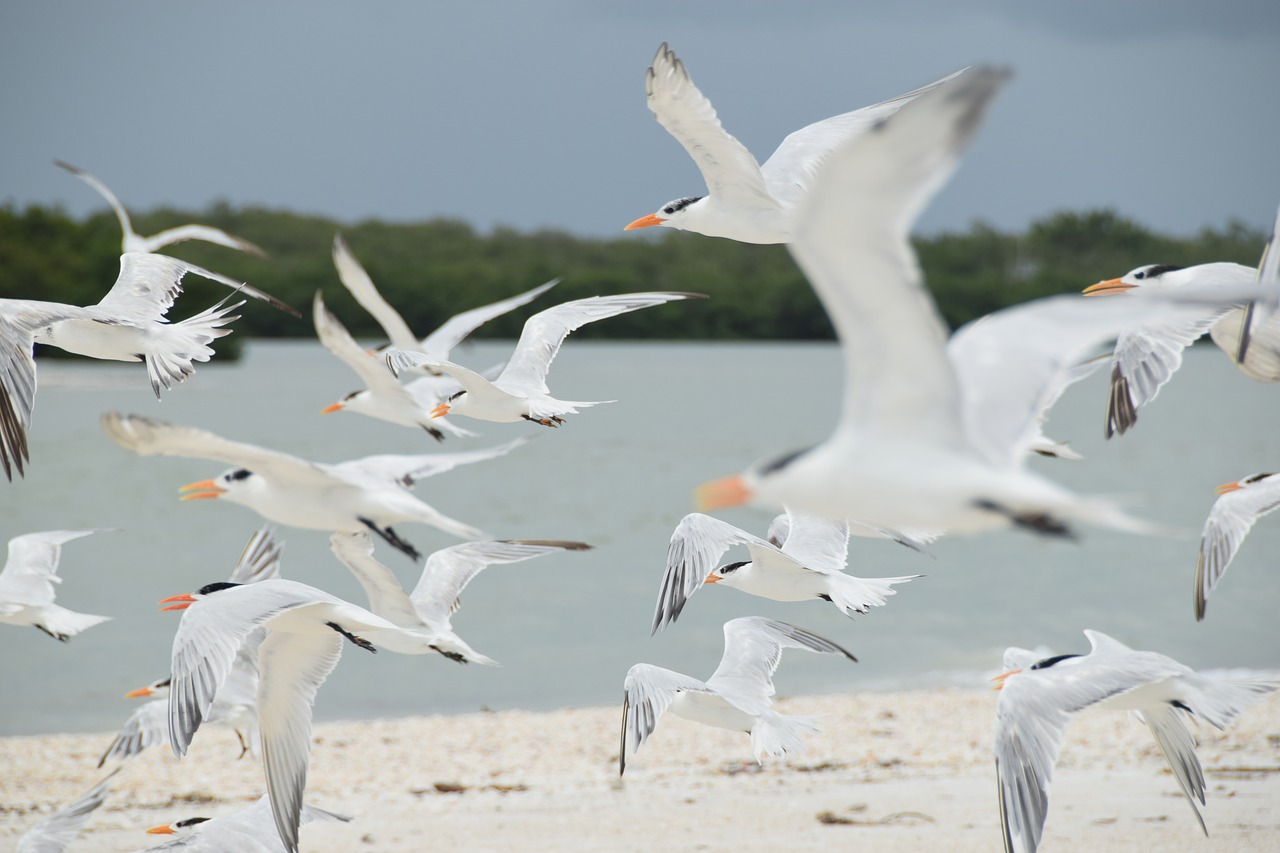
(647, 693)
(789, 171)
(260, 559)
(371, 369)
(752, 651)
(696, 546)
(148, 285)
(815, 543)
(356, 280)
(408, 470)
(731, 173)
(146, 727)
(203, 233)
(101, 189)
(31, 569)
(54, 833)
(386, 597)
(453, 331)
(1230, 520)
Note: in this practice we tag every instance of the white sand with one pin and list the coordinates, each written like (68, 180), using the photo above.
(910, 771)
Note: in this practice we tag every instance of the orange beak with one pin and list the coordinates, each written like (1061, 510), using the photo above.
(1113, 285)
(201, 491)
(139, 693)
(712, 579)
(645, 222)
(440, 411)
(331, 408)
(1228, 487)
(186, 600)
(1000, 679)
(718, 494)
(161, 830)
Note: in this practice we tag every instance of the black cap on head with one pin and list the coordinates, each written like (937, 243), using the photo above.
(214, 587)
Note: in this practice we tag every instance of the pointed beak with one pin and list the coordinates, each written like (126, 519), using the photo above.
(1226, 488)
(712, 579)
(185, 600)
(1000, 679)
(139, 693)
(201, 490)
(331, 408)
(718, 494)
(645, 222)
(161, 830)
(1113, 285)
(440, 411)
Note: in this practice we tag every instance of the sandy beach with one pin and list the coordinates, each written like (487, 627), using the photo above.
(890, 771)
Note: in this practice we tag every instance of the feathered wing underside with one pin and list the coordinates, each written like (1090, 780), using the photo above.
(1230, 520)
(449, 570)
(146, 727)
(851, 241)
(789, 171)
(1261, 361)
(293, 666)
(407, 470)
(56, 832)
(357, 281)
(696, 546)
(371, 369)
(731, 172)
(647, 693)
(260, 559)
(31, 569)
(386, 597)
(752, 651)
(148, 284)
(1179, 750)
(815, 543)
(544, 332)
(103, 190)
(455, 330)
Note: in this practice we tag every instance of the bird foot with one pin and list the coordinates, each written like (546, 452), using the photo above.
(1039, 522)
(393, 539)
(456, 657)
(552, 421)
(359, 641)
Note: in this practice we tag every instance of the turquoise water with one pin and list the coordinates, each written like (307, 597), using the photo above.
(567, 627)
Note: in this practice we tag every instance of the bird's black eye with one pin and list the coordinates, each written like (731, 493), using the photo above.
(1139, 275)
(241, 474)
(191, 821)
(668, 210)
(1048, 662)
(733, 567)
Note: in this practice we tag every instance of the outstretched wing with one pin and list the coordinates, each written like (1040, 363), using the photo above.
(31, 570)
(54, 833)
(407, 470)
(148, 284)
(696, 547)
(453, 331)
(1230, 520)
(647, 693)
(386, 597)
(260, 559)
(336, 339)
(357, 281)
(752, 651)
(815, 543)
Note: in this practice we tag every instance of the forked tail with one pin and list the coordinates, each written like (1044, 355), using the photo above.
(856, 595)
(776, 735)
(174, 347)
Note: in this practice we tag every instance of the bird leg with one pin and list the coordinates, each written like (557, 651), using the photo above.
(359, 641)
(456, 657)
(1039, 522)
(244, 744)
(393, 539)
(552, 421)
(61, 638)
(435, 433)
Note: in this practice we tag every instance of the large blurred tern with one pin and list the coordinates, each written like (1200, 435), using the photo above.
(1038, 698)
(1233, 515)
(250, 830)
(735, 697)
(135, 242)
(803, 559)
(425, 615)
(128, 324)
(746, 201)
(361, 494)
(921, 443)
(27, 585)
(306, 627)
(520, 392)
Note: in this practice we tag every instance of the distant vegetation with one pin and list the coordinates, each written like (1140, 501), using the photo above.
(430, 270)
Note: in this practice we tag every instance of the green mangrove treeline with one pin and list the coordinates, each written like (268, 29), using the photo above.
(430, 270)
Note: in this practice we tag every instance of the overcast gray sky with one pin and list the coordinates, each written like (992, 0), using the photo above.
(532, 114)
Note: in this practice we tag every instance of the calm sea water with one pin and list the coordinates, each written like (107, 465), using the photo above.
(567, 627)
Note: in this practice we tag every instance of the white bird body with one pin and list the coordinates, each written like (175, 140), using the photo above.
(735, 697)
(1233, 515)
(250, 830)
(520, 392)
(1038, 698)
(425, 617)
(134, 242)
(305, 629)
(27, 585)
(369, 493)
(746, 202)
(803, 559)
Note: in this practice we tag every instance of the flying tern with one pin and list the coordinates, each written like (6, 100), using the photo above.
(250, 830)
(520, 392)
(746, 201)
(54, 833)
(135, 242)
(128, 324)
(361, 494)
(1037, 700)
(425, 615)
(735, 697)
(921, 443)
(235, 704)
(306, 627)
(27, 585)
(1233, 515)
(803, 559)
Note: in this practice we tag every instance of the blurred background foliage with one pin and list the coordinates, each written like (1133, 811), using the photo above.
(431, 270)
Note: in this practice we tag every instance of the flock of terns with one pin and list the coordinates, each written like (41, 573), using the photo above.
(932, 439)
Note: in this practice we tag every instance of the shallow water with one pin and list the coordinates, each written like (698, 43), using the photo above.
(567, 627)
